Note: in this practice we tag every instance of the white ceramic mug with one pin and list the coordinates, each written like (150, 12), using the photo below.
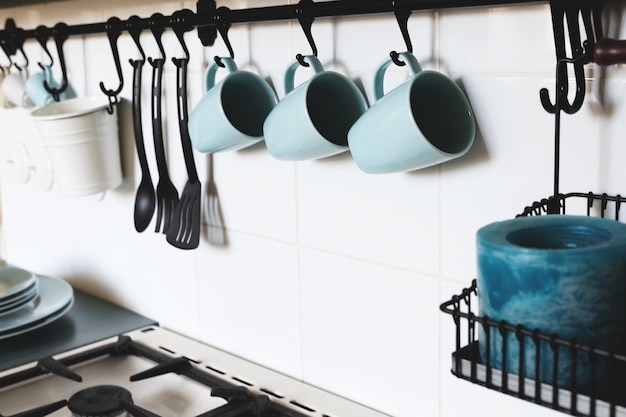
(231, 114)
(13, 88)
(425, 121)
(312, 120)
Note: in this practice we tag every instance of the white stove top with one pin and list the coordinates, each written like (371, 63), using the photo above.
(171, 394)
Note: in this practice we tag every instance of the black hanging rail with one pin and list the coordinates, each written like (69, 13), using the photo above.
(206, 16)
(208, 19)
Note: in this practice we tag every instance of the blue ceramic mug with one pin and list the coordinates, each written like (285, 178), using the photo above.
(312, 120)
(425, 121)
(231, 114)
(36, 91)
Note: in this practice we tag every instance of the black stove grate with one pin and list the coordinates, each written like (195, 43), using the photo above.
(240, 401)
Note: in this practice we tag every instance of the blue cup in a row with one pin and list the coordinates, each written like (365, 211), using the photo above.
(424, 121)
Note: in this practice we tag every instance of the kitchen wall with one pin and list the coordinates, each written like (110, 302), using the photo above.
(327, 274)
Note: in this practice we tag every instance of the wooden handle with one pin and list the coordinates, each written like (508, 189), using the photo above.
(609, 52)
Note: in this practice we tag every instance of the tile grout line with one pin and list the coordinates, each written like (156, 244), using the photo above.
(437, 30)
(299, 273)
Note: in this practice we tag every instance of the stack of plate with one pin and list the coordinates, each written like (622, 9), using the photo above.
(29, 301)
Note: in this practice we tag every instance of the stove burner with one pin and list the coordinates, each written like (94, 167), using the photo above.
(99, 401)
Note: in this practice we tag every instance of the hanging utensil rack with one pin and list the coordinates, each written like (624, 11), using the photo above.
(466, 360)
(208, 20)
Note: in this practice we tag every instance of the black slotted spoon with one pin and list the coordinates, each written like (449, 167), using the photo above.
(167, 195)
(184, 230)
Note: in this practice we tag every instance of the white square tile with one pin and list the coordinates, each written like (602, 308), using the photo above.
(69, 12)
(391, 219)
(497, 40)
(257, 193)
(509, 166)
(249, 301)
(370, 333)
(363, 43)
(270, 46)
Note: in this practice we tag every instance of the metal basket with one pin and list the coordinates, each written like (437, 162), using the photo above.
(467, 363)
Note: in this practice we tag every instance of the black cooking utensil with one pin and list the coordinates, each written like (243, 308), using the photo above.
(166, 193)
(184, 231)
(145, 199)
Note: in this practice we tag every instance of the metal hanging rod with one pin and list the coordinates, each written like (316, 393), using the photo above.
(207, 16)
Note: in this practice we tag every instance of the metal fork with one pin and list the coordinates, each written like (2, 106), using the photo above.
(166, 193)
(216, 232)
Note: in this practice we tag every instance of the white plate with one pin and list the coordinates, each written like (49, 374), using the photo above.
(19, 302)
(14, 280)
(55, 298)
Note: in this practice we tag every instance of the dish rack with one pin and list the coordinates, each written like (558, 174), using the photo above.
(468, 365)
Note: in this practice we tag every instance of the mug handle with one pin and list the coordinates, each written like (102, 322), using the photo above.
(209, 79)
(47, 71)
(379, 77)
(290, 74)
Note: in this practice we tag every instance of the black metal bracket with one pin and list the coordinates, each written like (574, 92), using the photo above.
(114, 30)
(565, 16)
(402, 17)
(205, 10)
(223, 26)
(59, 32)
(306, 19)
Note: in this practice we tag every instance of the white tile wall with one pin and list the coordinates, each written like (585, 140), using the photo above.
(329, 275)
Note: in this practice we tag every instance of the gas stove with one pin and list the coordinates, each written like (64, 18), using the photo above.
(155, 372)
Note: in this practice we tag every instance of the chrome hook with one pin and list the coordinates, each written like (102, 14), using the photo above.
(223, 28)
(306, 22)
(113, 32)
(402, 17)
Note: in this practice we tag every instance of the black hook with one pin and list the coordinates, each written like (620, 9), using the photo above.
(26, 61)
(135, 33)
(113, 32)
(60, 36)
(581, 53)
(157, 31)
(7, 42)
(181, 24)
(6, 52)
(223, 27)
(42, 34)
(306, 22)
(13, 41)
(402, 17)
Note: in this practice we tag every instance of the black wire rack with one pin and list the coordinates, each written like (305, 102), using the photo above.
(603, 396)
